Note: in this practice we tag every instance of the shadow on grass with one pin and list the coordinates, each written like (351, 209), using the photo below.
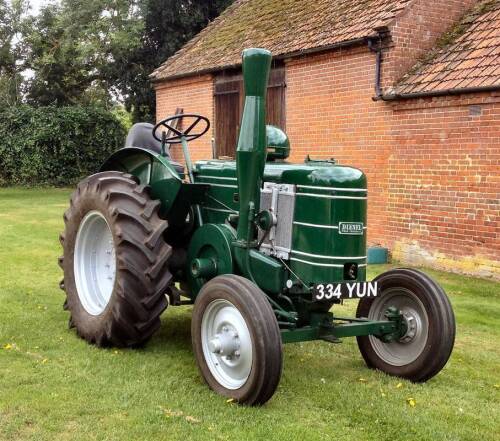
(175, 332)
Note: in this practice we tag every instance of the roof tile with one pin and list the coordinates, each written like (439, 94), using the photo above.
(471, 59)
(282, 26)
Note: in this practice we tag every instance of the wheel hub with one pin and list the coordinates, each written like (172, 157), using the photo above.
(411, 327)
(407, 348)
(227, 345)
(94, 263)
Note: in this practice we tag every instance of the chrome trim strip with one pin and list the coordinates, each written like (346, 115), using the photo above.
(305, 224)
(328, 196)
(216, 177)
(329, 265)
(321, 256)
(332, 188)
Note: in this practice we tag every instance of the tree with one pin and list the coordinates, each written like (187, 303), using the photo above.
(72, 47)
(168, 25)
(102, 51)
(11, 50)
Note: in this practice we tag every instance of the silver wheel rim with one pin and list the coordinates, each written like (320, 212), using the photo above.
(408, 348)
(226, 343)
(94, 263)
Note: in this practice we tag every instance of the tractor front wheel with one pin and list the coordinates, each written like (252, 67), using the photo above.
(236, 340)
(427, 344)
(115, 261)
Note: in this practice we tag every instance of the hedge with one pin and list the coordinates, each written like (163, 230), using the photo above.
(55, 145)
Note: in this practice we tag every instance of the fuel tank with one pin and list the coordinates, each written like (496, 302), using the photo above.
(320, 210)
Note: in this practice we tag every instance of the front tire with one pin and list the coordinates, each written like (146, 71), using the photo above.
(236, 340)
(426, 347)
(115, 261)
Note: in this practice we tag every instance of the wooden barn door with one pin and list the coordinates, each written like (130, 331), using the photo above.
(275, 103)
(228, 103)
(227, 115)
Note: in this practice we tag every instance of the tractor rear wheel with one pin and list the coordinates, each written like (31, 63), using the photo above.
(115, 261)
(427, 344)
(236, 340)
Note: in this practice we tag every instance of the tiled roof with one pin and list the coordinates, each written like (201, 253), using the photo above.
(282, 26)
(468, 56)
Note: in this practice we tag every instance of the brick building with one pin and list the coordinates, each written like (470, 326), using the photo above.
(407, 90)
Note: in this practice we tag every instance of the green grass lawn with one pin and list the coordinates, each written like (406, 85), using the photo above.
(54, 386)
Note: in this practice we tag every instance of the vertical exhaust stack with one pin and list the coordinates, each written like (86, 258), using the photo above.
(251, 151)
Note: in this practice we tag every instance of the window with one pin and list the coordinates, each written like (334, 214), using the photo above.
(228, 103)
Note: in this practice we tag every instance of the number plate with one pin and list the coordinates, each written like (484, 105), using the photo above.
(346, 290)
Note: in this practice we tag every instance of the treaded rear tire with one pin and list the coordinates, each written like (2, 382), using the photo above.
(142, 277)
(441, 325)
(267, 350)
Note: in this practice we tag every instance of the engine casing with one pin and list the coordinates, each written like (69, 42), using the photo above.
(320, 211)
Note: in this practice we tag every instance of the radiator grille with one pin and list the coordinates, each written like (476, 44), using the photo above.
(280, 199)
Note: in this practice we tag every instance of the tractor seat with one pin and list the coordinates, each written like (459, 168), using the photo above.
(141, 135)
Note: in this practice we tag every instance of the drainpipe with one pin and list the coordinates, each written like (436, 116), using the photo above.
(375, 45)
(377, 49)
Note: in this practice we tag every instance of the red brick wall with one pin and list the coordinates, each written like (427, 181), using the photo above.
(416, 30)
(432, 164)
(193, 95)
(330, 112)
(444, 182)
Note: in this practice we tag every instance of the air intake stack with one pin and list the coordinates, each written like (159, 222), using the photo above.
(251, 150)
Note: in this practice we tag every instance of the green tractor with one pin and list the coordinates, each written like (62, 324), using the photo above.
(263, 249)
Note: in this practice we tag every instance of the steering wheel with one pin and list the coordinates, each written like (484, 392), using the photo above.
(172, 121)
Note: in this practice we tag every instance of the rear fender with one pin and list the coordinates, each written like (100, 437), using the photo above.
(151, 169)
